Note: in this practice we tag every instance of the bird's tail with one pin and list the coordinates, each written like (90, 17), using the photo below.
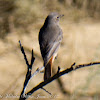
(48, 70)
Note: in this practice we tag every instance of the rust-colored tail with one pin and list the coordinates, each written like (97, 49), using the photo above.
(48, 70)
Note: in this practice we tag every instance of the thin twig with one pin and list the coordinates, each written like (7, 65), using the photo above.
(37, 71)
(86, 65)
(46, 91)
(22, 50)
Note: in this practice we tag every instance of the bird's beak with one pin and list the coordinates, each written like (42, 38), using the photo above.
(61, 15)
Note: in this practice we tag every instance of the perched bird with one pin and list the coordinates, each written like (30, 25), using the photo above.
(50, 37)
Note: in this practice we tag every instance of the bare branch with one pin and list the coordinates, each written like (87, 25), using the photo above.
(29, 74)
(29, 70)
(57, 75)
(86, 65)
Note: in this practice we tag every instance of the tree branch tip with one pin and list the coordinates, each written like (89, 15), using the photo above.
(19, 41)
(46, 90)
(58, 69)
(37, 69)
(32, 52)
(73, 64)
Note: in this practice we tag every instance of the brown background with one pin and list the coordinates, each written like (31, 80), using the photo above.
(22, 19)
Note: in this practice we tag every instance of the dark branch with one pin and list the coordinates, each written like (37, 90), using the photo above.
(32, 59)
(22, 50)
(86, 65)
(29, 70)
(46, 91)
(29, 74)
(57, 75)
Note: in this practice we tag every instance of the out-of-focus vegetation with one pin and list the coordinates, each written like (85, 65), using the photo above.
(22, 19)
(23, 13)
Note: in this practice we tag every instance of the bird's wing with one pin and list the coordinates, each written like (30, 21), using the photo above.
(52, 47)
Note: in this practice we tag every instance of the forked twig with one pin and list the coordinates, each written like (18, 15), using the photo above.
(29, 69)
(29, 74)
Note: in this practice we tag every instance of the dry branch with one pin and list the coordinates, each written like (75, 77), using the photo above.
(59, 73)
(29, 69)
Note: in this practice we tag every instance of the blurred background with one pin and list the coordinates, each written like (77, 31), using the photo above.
(22, 20)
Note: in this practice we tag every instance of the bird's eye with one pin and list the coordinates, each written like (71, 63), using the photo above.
(57, 17)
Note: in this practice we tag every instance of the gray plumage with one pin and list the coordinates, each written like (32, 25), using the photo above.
(50, 37)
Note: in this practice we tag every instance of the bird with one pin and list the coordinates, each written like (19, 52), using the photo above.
(50, 38)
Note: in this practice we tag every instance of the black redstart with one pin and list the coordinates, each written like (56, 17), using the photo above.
(50, 37)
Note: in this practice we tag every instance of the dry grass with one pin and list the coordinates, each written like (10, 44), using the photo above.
(80, 44)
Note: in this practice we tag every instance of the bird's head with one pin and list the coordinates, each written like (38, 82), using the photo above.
(53, 18)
